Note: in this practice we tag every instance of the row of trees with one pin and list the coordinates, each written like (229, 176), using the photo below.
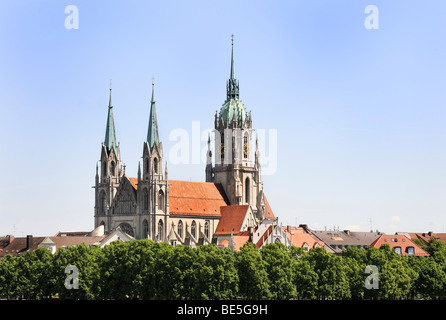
(144, 269)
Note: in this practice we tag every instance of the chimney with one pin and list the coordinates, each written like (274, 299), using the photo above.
(9, 239)
(347, 232)
(29, 242)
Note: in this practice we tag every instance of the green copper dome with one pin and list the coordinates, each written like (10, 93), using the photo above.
(231, 107)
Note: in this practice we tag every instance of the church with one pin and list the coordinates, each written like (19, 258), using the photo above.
(153, 206)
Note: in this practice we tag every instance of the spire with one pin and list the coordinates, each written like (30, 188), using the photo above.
(232, 86)
(152, 133)
(110, 135)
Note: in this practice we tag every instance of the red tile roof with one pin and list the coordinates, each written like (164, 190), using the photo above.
(193, 198)
(299, 237)
(196, 198)
(268, 211)
(19, 246)
(398, 240)
(231, 219)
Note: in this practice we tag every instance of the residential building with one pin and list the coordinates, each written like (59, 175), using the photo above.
(400, 243)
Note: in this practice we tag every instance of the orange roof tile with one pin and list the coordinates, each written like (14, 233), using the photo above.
(231, 219)
(268, 211)
(398, 240)
(133, 182)
(299, 237)
(196, 198)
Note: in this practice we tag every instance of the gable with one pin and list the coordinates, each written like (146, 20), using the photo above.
(234, 219)
(124, 201)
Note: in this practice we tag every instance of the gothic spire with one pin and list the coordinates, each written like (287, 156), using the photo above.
(110, 134)
(152, 133)
(232, 86)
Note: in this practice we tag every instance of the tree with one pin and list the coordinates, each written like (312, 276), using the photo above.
(431, 280)
(35, 274)
(280, 268)
(8, 276)
(214, 274)
(332, 275)
(86, 259)
(252, 274)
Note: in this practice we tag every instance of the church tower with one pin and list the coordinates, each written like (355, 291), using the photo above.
(234, 168)
(109, 173)
(152, 184)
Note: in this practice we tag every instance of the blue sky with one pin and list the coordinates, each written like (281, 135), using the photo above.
(360, 114)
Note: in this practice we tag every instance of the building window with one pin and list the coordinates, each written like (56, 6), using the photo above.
(155, 165)
(160, 230)
(126, 228)
(145, 198)
(410, 251)
(104, 168)
(103, 202)
(193, 229)
(180, 228)
(145, 225)
(112, 168)
(394, 240)
(206, 229)
(161, 200)
(306, 247)
(397, 250)
(147, 165)
(247, 187)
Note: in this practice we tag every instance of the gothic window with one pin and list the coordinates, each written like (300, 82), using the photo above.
(180, 228)
(193, 229)
(147, 165)
(103, 202)
(160, 230)
(145, 199)
(161, 200)
(155, 165)
(206, 229)
(104, 168)
(112, 168)
(145, 226)
(247, 188)
(126, 228)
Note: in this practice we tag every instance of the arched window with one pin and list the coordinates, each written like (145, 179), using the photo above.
(104, 168)
(146, 164)
(112, 168)
(145, 227)
(247, 188)
(103, 202)
(161, 200)
(125, 227)
(193, 229)
(102, 224)
(155, 165)
(145, 198)
(160, 230)
(180, 228)
(206, 229)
